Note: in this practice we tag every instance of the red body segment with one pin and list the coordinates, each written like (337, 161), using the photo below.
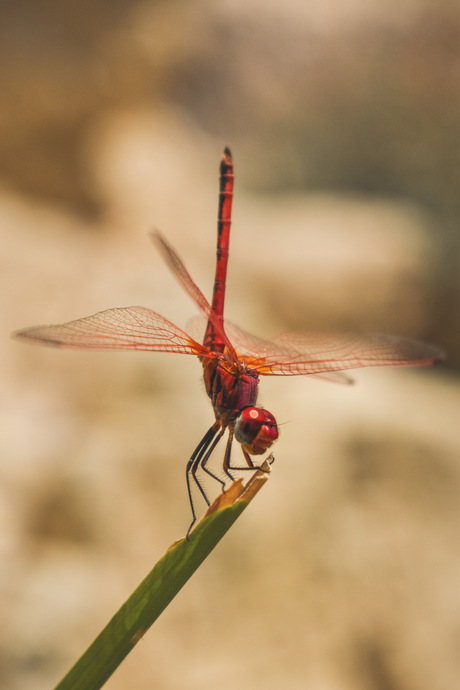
(229, 388)
(213, 339)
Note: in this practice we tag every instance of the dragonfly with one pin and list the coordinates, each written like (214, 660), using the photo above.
(233, 360)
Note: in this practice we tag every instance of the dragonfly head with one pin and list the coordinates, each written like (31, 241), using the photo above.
(256, 429)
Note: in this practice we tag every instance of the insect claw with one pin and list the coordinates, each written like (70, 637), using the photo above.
(187, 536)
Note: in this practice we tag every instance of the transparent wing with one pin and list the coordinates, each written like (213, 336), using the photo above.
(126, 328)
(177, 266)
(253, 347)
(327, 354)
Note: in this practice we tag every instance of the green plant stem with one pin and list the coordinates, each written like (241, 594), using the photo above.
(161, 585)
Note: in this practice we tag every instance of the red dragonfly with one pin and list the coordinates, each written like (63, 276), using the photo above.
(232, 359)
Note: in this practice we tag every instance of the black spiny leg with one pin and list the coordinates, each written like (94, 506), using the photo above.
(228, 450)
(201, 452)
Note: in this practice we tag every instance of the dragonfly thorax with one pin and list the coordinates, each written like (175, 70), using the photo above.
(256, 429)
(230, 388)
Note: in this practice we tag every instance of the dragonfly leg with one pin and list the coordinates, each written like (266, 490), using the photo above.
(203, 461)
(201, 452)
(228, 455)
(248, 459)
(228, 450)
(251, 465)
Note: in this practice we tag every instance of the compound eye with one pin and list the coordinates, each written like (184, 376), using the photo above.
(248, 424)
(256, 429)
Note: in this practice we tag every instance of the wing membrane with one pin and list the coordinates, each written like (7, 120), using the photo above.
(126, 328)
(317, 353)
(253, 348)
(177, 266)
(326, 355)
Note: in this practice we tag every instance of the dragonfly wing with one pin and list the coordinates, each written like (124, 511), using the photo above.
(253, 347)
(196, 326)
(177, 266)
(334, 377)
(247, 343)
(126, 328)
(323, 353)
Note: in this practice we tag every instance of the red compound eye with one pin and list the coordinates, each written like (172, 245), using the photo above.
(256, 430)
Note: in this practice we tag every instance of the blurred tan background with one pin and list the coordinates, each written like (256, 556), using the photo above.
(344, 121)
